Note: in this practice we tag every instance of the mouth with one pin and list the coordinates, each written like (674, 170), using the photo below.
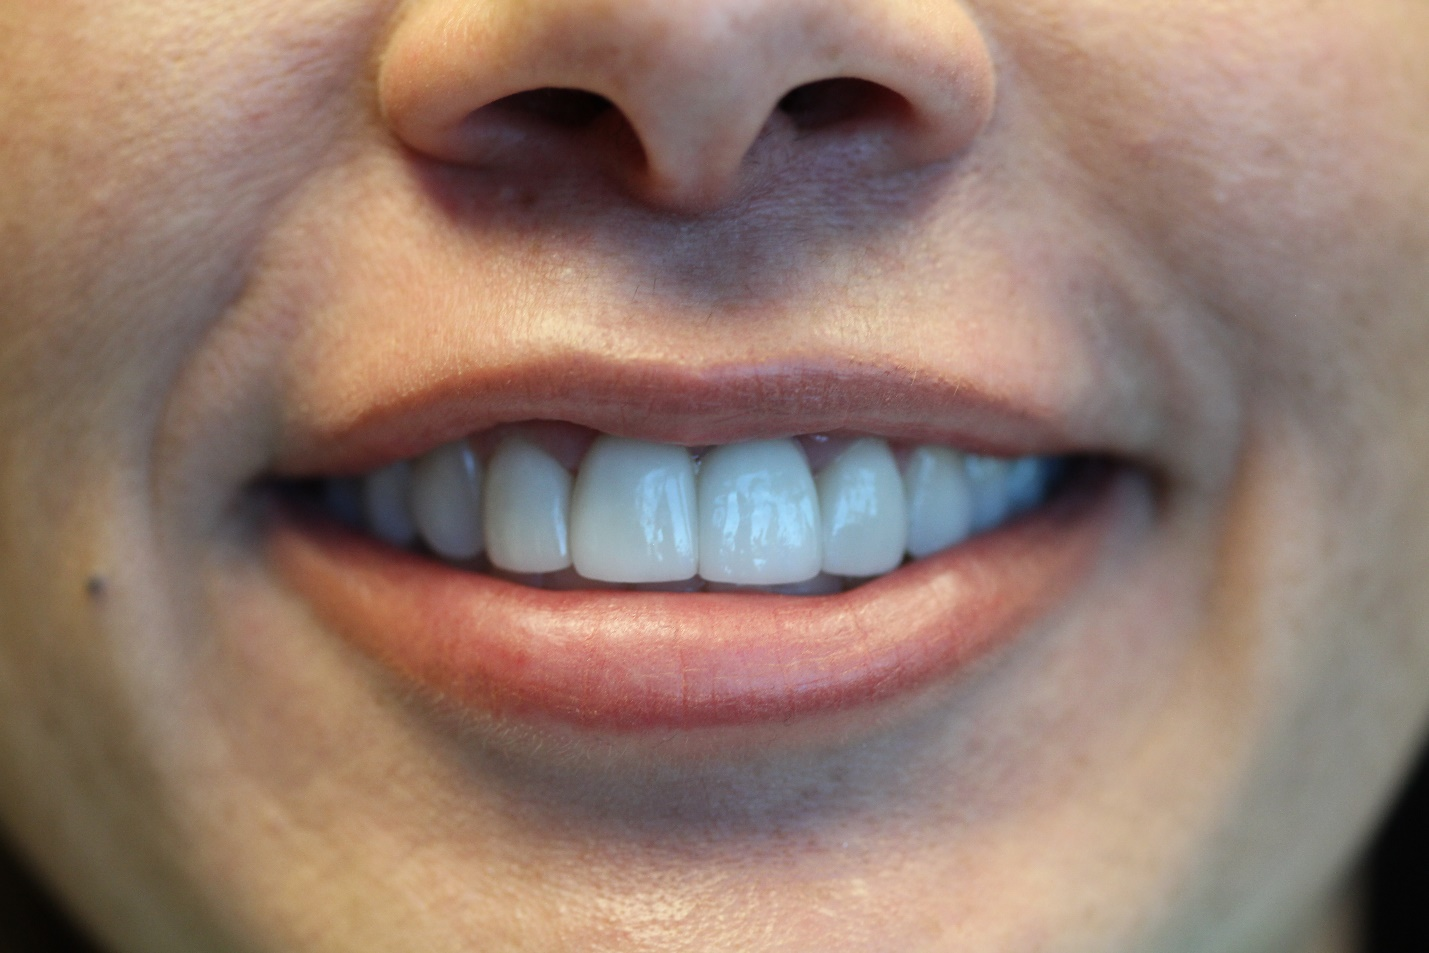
(652, 574)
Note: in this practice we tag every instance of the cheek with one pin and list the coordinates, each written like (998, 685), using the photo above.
(1260, 151)
(1272, 159)
(144, 149)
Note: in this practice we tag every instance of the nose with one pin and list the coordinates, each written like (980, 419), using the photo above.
(669, 98)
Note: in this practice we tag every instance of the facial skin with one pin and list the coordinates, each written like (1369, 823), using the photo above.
(1199, 232)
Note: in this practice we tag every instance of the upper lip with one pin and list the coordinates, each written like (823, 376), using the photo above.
(1012, 388)
(697, 404)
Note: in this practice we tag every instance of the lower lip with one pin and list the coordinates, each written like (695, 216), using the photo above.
(635, 661)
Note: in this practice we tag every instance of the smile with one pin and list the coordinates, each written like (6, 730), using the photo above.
(579, 565)
(561, 507)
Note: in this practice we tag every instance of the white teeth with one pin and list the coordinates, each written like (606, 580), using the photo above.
(527, 510)
(745, 517)
(446, 500)
(633, 513)
(758, 515)
(385, 496)
(989, 479)
(863, 511)
(940, 500)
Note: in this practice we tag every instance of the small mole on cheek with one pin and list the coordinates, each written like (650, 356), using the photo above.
(96, 586)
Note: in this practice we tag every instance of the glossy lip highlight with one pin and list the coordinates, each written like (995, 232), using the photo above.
(633, 662)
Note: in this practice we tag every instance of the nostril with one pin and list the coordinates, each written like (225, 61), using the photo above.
(830, 102)
(564, 108)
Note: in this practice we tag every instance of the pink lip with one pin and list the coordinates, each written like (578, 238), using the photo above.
(631, 661)
(404, 413)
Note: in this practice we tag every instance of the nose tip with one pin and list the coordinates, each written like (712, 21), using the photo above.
(670, 97)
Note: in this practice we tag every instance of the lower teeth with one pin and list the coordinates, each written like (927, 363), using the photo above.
(749, 517)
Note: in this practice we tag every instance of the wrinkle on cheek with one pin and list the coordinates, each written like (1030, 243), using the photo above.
(1259, 155)
(145, 145)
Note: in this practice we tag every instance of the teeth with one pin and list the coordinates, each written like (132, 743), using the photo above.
(988, 477)
(446, 500)
(633, 513)
(863, 511)
(527, 510)
(940, 500)
(385, 496)
(748, 517)
(1027, 481)
(758, 515)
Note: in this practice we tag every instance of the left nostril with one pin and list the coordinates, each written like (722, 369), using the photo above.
(831, 102)
(565, 108)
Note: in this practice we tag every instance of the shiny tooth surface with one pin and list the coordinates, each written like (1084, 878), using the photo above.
(386, 504)
(940, 500)
(758, 515)
(446, 500)
(988, 477)
(744, 517)
(526, 510)
(862, 511)
(633, 513)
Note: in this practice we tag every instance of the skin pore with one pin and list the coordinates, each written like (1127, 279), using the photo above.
(1192, 235)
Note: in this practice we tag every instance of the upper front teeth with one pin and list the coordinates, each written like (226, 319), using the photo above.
(759, 515)
(745, 514)
(633, 513)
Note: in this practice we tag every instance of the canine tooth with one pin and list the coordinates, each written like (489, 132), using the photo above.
(940, 500)
(863, 511)
(527, 510)
(989, 479)
(446, 500)
(633, 513)
(758, 515)
(386, 495)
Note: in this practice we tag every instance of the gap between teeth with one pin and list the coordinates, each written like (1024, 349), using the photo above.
(656, 516)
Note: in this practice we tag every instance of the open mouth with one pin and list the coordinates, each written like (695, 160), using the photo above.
(550, 572)
(556, 506)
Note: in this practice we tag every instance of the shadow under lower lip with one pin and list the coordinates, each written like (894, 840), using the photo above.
(639, 661)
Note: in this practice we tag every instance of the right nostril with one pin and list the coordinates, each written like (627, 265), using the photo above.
(566, 108)
(829, 102)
